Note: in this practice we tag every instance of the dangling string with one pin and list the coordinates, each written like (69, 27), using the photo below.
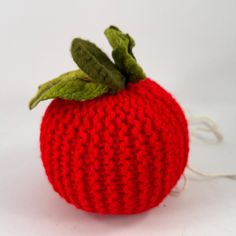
(213, 176)
(197, 125)
(177, 191)
(200, 124)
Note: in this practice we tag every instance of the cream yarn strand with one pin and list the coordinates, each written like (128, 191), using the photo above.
(198, 125)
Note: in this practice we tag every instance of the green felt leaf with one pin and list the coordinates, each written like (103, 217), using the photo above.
(94, 62)
(122, 54)
(74, 85)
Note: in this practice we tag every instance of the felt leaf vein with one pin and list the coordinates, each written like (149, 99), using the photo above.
(74, 85)
(94, 62)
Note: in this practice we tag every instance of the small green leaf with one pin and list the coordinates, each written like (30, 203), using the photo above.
(74, 85)
(122, 54)
(94, 62)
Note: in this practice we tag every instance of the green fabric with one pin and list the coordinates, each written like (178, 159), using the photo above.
(122, 54)
(98, 74)
(94, 62)
(74, 85)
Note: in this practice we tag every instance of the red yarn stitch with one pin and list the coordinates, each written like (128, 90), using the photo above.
(116, 154)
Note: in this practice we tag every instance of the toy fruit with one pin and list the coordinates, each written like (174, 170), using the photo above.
(112, 141)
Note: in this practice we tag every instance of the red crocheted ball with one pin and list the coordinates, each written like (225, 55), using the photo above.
(116, 154)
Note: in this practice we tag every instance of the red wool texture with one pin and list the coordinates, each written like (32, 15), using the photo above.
(116, 154)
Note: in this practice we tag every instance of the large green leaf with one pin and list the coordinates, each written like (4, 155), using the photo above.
(122, 54)
(94, 62)
(74, 85)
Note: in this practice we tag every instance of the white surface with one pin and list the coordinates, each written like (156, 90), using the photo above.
(187, 46)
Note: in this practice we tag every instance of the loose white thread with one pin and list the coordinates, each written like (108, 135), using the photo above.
(197, 125)
(177, 191)
(200, 124)
(208, 175)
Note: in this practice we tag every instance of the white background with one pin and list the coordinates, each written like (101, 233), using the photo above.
(189, 47)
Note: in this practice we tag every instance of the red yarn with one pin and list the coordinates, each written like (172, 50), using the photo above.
(116, 154)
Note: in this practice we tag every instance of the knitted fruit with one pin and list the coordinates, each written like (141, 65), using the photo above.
(112, 141)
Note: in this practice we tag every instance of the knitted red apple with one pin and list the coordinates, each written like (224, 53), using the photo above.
(112, 141)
